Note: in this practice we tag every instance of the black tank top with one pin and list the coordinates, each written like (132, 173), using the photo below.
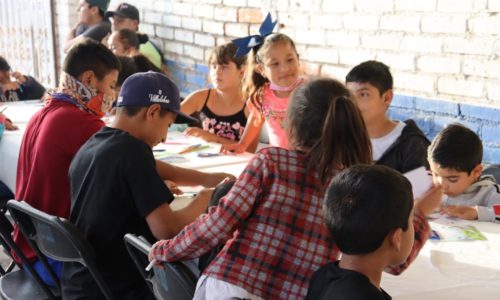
(229, 127)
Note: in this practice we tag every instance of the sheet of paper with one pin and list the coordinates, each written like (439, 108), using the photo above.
(420, 181)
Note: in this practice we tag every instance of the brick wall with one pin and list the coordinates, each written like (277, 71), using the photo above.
(444, 54)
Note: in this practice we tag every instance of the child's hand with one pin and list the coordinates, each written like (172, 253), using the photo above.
(20, 78)
(173, 187)
(9, 125)
(151, 255)
(196, 132)
(12, 85)
(460, 211)
(430, 201)
(233, 148)
(216, 178)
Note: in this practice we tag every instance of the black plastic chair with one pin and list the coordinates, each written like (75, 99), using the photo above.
(56, 238)
(170, 281)
(18, 284)
(493, 170)
(6, 227)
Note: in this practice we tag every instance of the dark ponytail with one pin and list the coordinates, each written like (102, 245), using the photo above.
(142, 38)
(323, 121)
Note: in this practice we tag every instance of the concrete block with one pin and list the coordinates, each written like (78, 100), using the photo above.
(437, 106)
(250, 15)
(184, 35)
(401, 22)
(464, 6)
(191, 23)
(439, 64)
(461, 87)
(422, 44)
(226, 14)
(480, 112)
(361, 21)
(469, 45)
(213, 27)
(206, 40)
(490, 134)
(403, 101)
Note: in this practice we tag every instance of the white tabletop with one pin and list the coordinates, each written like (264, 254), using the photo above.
(20, 113)
(452, 270)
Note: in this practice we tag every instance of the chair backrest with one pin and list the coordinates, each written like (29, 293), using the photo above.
(170, 281)
(56, 238)
(6, 229)
(10, 247)
(493, 170)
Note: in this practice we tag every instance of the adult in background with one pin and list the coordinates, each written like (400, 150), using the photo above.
(125, 42)
(126, 16)
(91, 23)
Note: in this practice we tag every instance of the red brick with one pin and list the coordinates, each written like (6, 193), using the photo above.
(250, 15)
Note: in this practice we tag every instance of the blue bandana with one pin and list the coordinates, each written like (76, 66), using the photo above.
(247, 43)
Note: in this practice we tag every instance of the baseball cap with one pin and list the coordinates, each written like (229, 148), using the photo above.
(125, 10)
(147, 88)
(102, 4)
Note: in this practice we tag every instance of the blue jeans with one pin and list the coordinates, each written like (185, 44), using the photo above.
(44, 274)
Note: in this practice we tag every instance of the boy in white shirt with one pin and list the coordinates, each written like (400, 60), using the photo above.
(399, 145)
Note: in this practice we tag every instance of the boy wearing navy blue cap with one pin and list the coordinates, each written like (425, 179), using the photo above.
(117, 187)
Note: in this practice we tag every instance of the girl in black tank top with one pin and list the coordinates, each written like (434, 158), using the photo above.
(222, 110)
(229, 127)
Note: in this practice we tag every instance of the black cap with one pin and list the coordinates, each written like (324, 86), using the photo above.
(124, 10)
(144, 89)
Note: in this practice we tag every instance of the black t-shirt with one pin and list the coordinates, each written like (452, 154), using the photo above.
(332, 282)
(114, 186)
(96, 32)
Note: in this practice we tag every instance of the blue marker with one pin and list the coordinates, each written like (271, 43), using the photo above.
(207, 154)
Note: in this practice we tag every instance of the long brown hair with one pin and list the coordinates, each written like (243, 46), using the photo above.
(254, 81)
(324, 121)
(223, 54)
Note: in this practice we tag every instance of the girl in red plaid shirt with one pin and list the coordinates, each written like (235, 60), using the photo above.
(271, 220)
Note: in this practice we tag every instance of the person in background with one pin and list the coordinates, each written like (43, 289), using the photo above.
(126, 16)
(91, 23)
(360, 197)
(222, 109)
(22, 87)
(399, 145)
(124, 42)
(455, 157)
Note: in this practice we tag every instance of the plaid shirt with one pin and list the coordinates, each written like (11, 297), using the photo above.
(272, 222)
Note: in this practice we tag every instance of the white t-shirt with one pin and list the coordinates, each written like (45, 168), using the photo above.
(381, 144)
(209, 288)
